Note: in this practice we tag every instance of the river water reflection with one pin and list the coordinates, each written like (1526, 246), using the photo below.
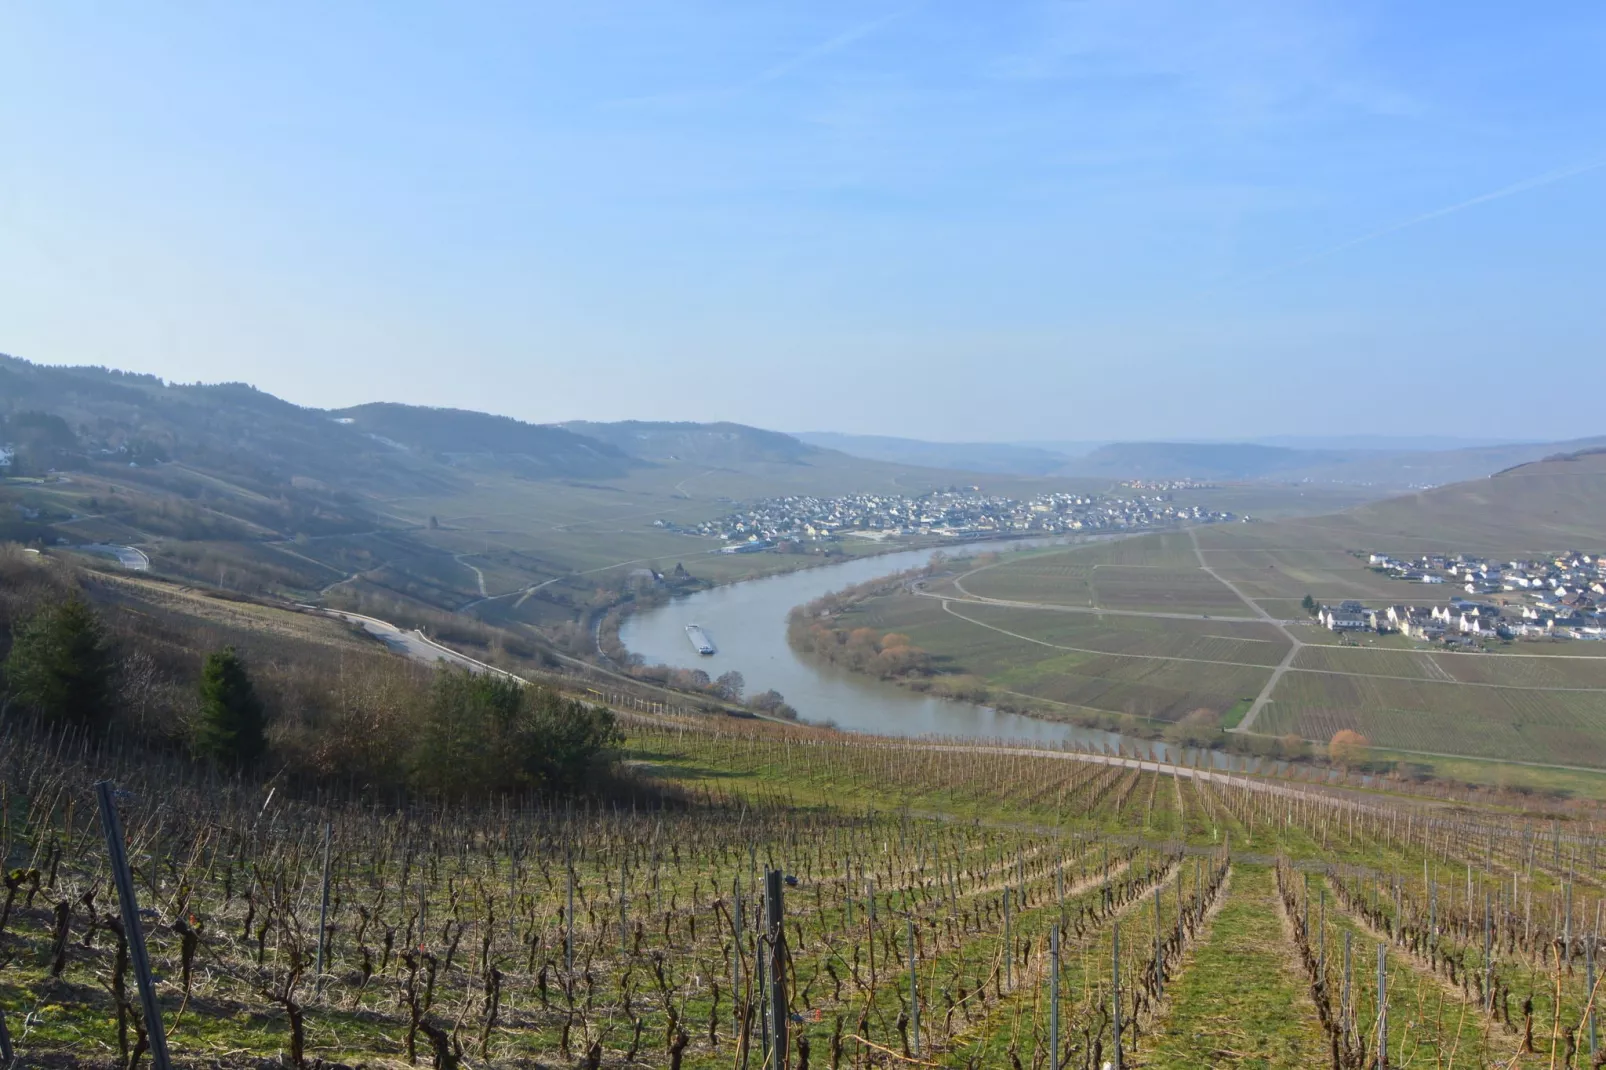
(747, 624)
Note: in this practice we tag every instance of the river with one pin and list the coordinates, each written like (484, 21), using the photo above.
(746, 622)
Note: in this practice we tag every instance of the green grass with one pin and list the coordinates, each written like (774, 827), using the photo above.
(1241, 1001)
(1576, 783)
(1236, 713)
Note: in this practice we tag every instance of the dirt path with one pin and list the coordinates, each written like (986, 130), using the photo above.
(1294, 642)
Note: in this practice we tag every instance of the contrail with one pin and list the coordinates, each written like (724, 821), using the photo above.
(825, 48)
(1524, 186)
(780, 70)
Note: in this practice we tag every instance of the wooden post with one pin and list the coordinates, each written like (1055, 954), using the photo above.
(112, 824)
(1159, 961)
(1321, 937)
(624, 912)
(1488, 961)
(1008, 947)
(323, 908)
(568, 922)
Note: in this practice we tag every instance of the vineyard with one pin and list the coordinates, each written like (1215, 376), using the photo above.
(788, 897)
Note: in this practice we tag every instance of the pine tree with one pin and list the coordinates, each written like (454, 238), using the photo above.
(230, 727)
(60, 666)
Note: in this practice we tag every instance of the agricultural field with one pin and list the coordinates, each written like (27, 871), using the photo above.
(791, 897)
(1116, 665)
(1155, 573)
(1077, 631)
(1557, 671)
(1515, 724)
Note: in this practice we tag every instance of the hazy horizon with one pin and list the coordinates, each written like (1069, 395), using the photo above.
(1030, 221)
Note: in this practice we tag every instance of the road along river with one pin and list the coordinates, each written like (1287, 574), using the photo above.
(746, 622)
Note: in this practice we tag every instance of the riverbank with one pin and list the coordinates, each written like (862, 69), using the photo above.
(747, 624)
(834, 630)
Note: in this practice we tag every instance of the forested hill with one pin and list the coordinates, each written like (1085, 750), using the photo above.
(536, 448)
(58, 416)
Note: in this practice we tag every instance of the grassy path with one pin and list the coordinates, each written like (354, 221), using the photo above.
(1240, 1001)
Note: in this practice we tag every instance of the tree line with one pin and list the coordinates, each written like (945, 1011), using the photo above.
(451, 736)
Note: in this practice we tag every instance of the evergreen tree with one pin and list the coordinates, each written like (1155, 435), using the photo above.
(60, 666)
(230, 728)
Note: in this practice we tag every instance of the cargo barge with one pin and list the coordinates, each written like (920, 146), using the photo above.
(699, 640)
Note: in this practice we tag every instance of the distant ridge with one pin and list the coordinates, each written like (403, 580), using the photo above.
(712, 443)
(1397, 462)
(991, 457)
(462, 433)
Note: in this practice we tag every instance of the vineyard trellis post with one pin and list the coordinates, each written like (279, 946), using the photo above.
(1115, 989)
(1589, 976)
(1344, 1008)
(1008, 947)
(1488, 960)
(736, 952)
(568, 926)
(112, 824)
(914, 990)
(1382, 1008)
(1054, 999)
(323, 908)
(1159, 961)
(1567, 929)
(775, 911)
(1433, 911)
(761, 977)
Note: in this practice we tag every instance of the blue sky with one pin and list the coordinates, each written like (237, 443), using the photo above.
(952, 220)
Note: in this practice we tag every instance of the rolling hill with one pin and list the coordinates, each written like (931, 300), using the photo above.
(1403, 463)
(718, 444)
(456, 435)
(992, 457)
(1546, 505)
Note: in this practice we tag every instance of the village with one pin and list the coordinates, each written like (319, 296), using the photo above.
(1562, 597)
(955, 513)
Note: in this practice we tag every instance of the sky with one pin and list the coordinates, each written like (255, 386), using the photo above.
(997, 221)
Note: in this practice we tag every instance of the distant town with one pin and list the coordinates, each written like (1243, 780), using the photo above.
(1558, 597)
(956, 513)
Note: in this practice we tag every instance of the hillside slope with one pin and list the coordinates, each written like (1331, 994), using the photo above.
(1551, 504)
(458, 434)
(720, 444)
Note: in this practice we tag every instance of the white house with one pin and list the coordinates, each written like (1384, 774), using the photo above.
(1343, 619)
